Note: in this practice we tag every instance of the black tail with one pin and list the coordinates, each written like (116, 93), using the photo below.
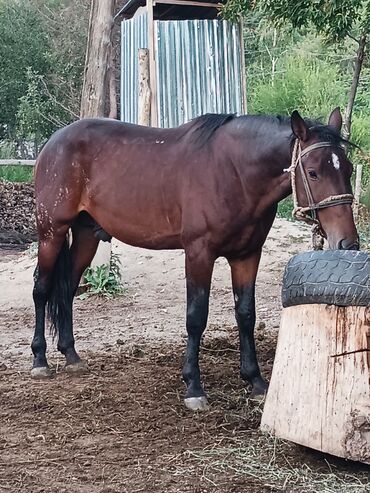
(59, 304)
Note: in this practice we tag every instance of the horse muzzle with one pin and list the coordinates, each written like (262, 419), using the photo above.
(348, 244)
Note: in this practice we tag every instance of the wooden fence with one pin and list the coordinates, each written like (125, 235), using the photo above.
(17, 162)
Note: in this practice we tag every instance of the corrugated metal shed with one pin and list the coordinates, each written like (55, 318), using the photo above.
(198, 65)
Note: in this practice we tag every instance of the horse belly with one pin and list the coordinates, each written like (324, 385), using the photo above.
(150, 230)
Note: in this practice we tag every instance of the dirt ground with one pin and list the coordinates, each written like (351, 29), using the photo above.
(122, 427)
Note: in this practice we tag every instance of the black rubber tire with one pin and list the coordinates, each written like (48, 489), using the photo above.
(334, 277)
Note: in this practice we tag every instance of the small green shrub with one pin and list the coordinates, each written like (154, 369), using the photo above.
(104, 280)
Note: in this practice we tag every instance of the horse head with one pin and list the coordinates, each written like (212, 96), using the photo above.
(321, 174)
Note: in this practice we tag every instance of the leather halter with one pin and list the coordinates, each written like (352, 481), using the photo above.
(308, 214)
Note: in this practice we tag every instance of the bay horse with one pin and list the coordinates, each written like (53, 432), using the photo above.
(210, 187)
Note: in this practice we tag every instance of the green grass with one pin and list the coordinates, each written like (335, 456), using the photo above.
(285, 208)
(16, 173)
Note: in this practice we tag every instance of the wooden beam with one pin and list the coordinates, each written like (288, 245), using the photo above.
(190, 4)
(144, 87)
(243, 69)
(152, 65)
(17, 162)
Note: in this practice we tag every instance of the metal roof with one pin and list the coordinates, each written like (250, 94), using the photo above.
(167, 10)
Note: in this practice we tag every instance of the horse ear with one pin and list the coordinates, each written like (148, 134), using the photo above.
(335, 119)
(299, 126)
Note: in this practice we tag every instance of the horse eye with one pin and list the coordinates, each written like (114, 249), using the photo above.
(312, 174)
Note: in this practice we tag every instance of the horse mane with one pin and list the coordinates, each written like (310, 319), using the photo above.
(325, 132)
(200, 130)
(203, 127)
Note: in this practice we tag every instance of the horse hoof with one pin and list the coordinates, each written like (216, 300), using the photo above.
(41, 373)
(77, 368)
(258, 394)
(257, 397)
(196, 403)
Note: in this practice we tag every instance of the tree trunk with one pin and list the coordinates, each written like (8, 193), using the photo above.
(319, 394)
(94, 90)
(353, 90)
(97, 58)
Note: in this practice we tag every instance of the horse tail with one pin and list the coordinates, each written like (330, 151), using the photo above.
(59, 303)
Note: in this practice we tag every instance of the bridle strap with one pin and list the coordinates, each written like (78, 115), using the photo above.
(317, 145)
(308, 214)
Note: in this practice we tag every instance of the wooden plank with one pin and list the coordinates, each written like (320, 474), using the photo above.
(144, 88)
(152, 65)
(319, 394)
(17, 162)
(243, 69)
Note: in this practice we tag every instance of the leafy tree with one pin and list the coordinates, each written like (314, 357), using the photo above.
(24, 45)
(335, 20)
(42, 55)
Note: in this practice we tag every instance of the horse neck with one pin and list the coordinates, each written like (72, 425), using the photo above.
(273, 153)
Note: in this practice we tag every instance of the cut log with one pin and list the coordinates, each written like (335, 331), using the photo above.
(319, 394)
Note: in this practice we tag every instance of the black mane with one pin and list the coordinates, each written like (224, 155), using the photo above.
(324, 132)
(203, 127)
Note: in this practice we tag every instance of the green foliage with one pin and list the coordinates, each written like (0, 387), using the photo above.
(104, 280)
(285, 209)
(335, 20)
(33, 107)
(16, 173)
(7, 149)
(234, 9)
(23, 44)
(305, 82)
(42, 54)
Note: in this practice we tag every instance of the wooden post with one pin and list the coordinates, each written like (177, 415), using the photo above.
(97, 67)
(319, 394)
(243, 68)
(144, 88)
(152, 65)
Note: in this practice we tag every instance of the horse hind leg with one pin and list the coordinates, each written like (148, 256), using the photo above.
(48, 254)
(83, 249)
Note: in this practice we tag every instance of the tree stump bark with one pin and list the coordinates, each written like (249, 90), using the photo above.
(319, 394)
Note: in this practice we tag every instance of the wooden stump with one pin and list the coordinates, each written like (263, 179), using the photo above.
(319, 394)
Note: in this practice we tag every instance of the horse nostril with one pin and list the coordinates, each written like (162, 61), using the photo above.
(348, 245)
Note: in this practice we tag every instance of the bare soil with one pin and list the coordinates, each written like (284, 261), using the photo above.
(123, 427)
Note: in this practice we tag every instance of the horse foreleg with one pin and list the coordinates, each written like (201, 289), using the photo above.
(244, 274)
(83, 249)
(199, 267)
